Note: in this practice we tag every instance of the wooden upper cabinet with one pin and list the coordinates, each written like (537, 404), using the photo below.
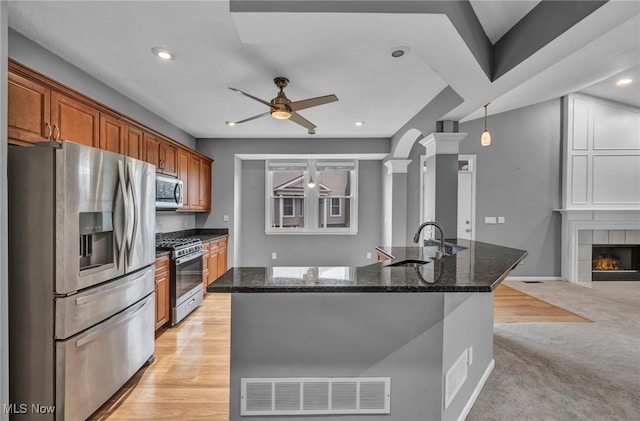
(152, 150)
(28, 110)
(40, 109)
(183, 174)
(74, 121)
(133, 144)
(205, 186)
(111, 134)
(194, 182)
(169, 153)
(161, 153)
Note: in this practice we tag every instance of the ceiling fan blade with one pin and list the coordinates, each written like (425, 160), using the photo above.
(298, 119)
(253, 118)
(312, 102)
(251, 96)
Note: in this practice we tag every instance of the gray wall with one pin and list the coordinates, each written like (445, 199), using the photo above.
(255, 246)
(4, 306)
(519, 177)
(309, 250)
(27, 52)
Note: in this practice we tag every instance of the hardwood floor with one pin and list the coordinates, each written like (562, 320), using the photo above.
(189, 379)
(513, 306)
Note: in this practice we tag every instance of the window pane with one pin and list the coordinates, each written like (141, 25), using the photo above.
(334, 182)
(284, 212)
(287, 198)
(334, 212)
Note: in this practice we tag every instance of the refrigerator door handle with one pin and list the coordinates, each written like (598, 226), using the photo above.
(120, 214)
(124, 317)
(131, 237)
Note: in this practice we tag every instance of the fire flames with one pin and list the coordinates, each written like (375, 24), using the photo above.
(606, 263)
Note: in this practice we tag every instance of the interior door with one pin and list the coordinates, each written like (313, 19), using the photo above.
(466, 197)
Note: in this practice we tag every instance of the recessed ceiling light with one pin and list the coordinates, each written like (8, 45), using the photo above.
(230, 123)
(624, 82)
(399, 51)
(162, 52)
(359, 123)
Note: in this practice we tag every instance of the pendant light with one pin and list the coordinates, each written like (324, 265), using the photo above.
(485, 139)
(311, 184)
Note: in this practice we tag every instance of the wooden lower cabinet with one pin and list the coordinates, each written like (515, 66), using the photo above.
(205, 267)
(162, 291)
(217, 262)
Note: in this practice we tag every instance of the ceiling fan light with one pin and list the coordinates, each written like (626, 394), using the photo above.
(624, 82)
(281, 114)
(485, 139)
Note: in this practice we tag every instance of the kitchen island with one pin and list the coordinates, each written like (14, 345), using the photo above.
(407, 342)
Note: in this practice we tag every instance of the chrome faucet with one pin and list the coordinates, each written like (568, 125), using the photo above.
(416, 237)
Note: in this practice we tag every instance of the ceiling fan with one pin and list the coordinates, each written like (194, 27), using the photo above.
(282, 108)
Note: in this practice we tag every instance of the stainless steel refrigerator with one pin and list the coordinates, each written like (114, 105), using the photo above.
(81, 277)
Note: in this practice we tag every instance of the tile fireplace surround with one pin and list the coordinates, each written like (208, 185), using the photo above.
(582, 228)
(586, 240)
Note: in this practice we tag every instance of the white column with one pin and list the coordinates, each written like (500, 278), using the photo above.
(396, 202)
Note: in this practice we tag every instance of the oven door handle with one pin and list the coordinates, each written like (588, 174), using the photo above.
(188, 258)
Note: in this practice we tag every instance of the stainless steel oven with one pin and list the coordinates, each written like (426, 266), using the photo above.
(186, 276)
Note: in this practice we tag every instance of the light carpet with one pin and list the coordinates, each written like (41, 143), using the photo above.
(568, 371)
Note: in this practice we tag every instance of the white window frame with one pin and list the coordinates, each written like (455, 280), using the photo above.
(309, 210)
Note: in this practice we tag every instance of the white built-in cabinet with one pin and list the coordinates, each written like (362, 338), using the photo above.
(602, 154)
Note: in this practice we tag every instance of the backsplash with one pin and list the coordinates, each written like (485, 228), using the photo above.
(169, 221)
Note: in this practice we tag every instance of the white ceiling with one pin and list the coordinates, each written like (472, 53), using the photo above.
(322, 53)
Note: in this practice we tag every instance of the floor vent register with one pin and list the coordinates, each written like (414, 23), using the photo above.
(315, 395)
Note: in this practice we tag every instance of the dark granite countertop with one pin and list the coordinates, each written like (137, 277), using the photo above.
(204, 234)
(480, 267)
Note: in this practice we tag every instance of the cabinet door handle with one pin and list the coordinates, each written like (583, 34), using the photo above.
(49, 131)
(56, 130)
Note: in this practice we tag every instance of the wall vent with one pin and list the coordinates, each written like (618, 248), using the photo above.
(315, 395)
(455, 378)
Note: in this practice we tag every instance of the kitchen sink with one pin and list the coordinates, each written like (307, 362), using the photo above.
(431, 247)
(408, 262)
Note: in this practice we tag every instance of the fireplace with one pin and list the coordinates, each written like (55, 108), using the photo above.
(615, 262)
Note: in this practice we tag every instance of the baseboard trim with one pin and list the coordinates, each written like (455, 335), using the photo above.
(476, 391)
(534, 278)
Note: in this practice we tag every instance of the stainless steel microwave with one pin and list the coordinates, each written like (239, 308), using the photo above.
(169, 192)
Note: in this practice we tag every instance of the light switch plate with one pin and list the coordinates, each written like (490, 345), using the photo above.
(225, 218)
(501, 220)
(489, 219)
(274, 255)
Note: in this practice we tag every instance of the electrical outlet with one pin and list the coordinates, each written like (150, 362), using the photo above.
(489, 219)
(501, 220)
(225, 218)
(368, 255)
(274, 255)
